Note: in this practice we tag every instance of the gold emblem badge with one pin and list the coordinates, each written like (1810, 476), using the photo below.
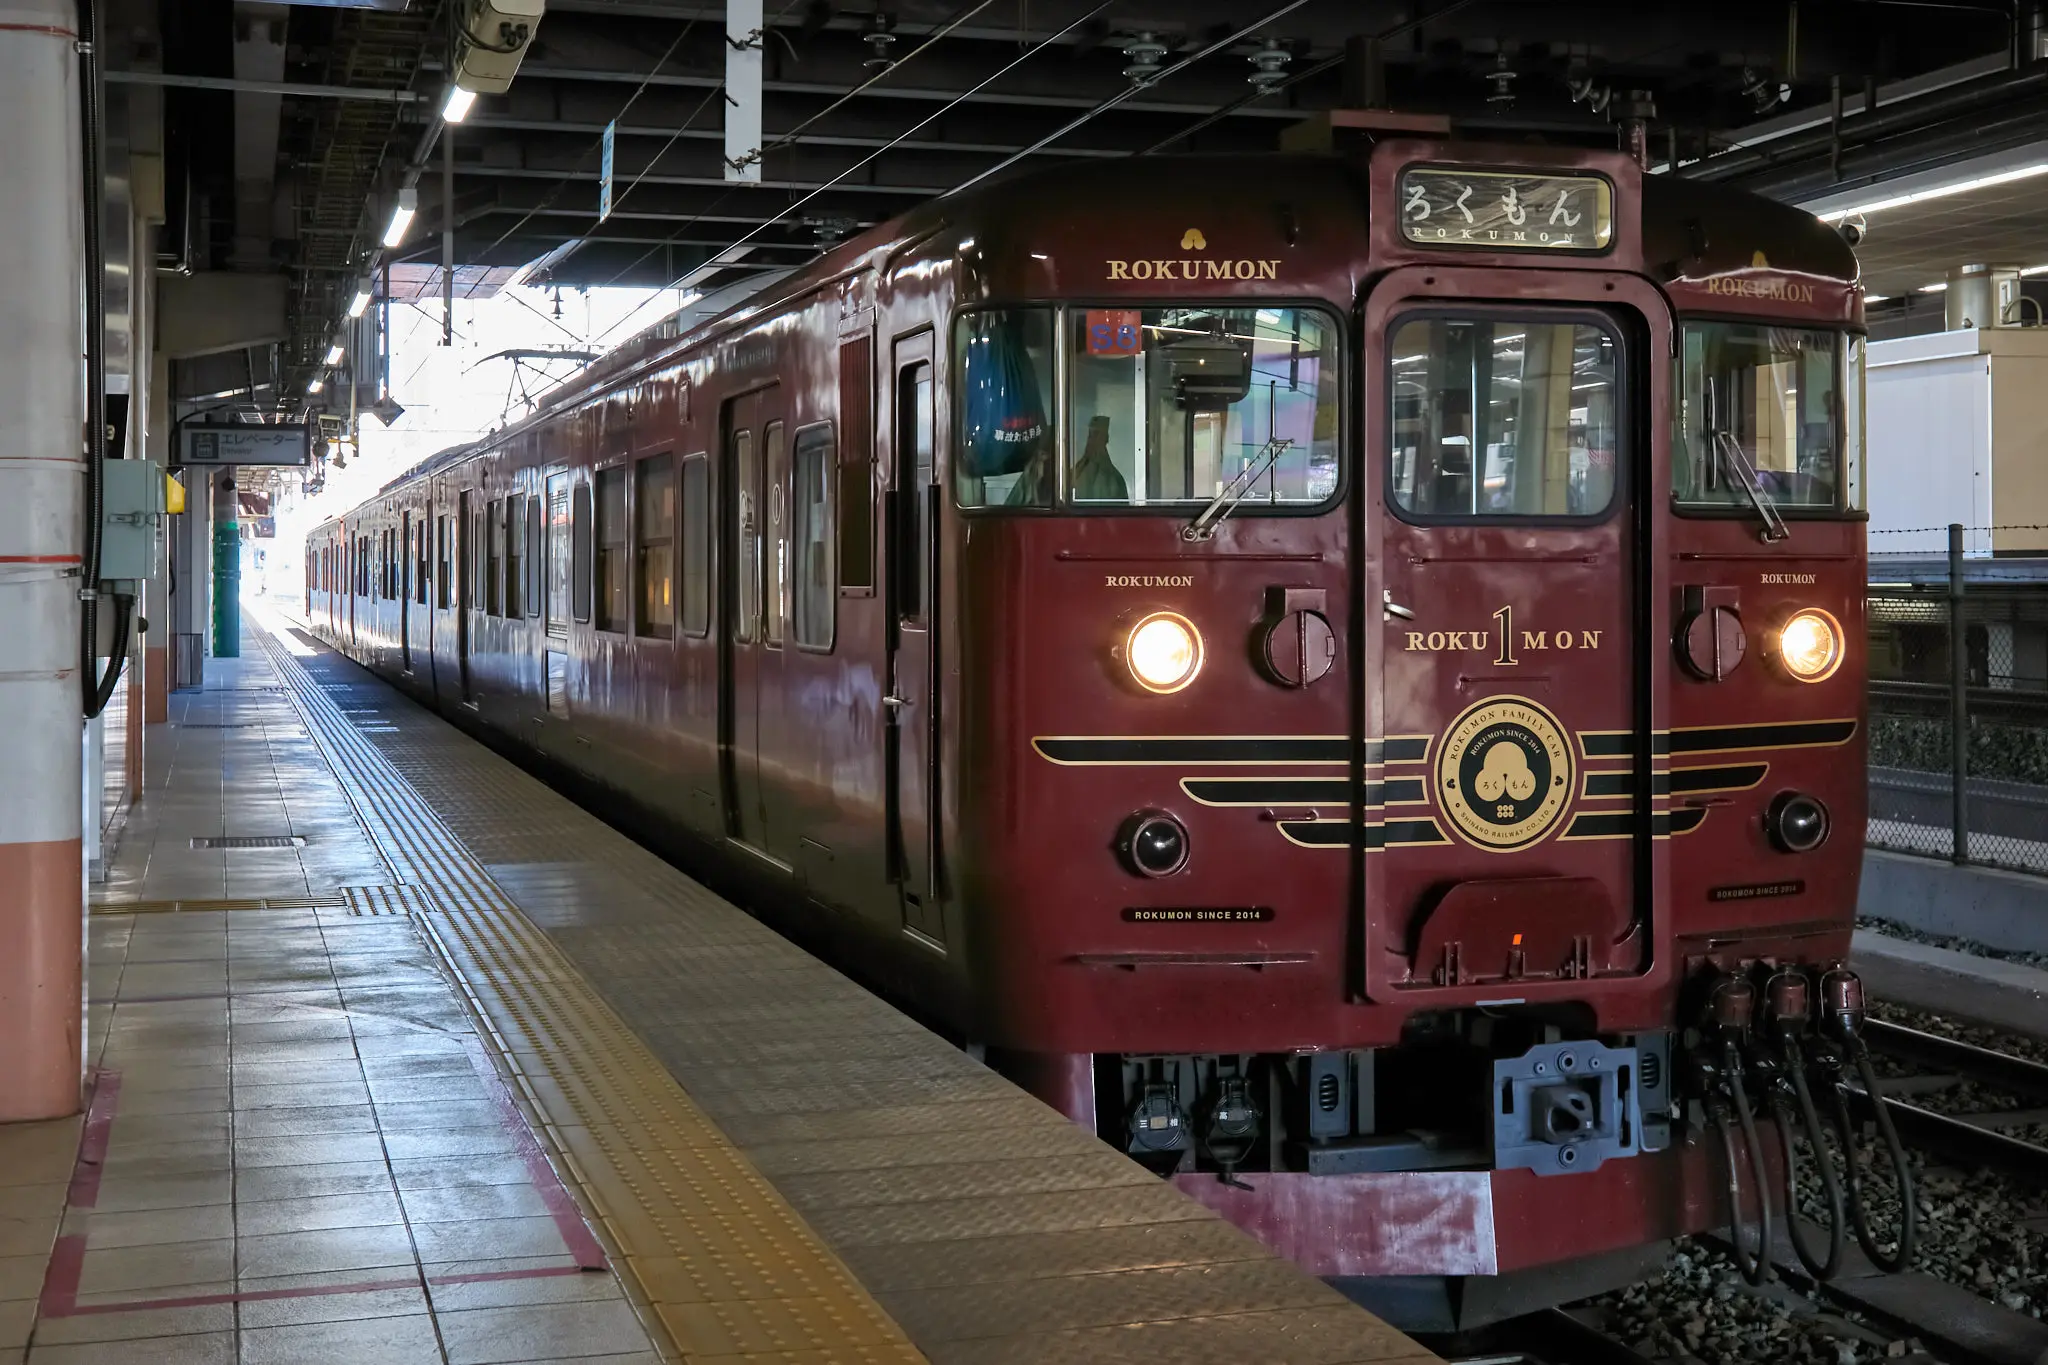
(1504, 773)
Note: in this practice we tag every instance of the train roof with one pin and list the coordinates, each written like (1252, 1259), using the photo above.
(1689, 228)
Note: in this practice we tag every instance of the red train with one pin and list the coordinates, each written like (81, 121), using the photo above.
(1339, 671)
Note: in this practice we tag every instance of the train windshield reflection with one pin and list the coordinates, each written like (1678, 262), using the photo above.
(1761, 413)
(1165, 406)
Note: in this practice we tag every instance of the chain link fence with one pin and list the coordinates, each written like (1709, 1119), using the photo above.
(1959, 741)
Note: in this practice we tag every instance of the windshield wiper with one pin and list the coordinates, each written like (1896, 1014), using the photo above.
(1204, 525)
(1731, 455)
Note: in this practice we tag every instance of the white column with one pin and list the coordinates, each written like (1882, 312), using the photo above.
(42, 491)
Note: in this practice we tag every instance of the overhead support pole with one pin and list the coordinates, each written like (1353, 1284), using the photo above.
(43, 414)
(447, 234)
(743, 34)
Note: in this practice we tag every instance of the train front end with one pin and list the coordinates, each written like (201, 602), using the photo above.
(1409, 692)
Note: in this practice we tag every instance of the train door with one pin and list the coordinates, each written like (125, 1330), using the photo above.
(750, 585)
(465, 588)
(1509, 822)
(912, 701)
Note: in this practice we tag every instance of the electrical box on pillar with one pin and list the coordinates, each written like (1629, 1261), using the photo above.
(494, 36)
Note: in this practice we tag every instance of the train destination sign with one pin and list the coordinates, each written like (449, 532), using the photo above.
(1445, 207)
(243, 443)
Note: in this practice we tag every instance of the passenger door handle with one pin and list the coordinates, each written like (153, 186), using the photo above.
(1389, 608)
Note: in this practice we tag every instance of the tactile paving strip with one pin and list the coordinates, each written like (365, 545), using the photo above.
(988, 1227)
(723, 1261)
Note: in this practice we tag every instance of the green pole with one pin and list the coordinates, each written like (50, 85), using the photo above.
(227, 589)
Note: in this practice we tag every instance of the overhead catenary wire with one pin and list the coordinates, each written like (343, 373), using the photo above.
(907, 133)
(561, 184)
(1114, 100)
(1306, 74)
(790, 138)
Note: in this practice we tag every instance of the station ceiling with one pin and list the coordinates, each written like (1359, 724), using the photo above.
(1766, 95)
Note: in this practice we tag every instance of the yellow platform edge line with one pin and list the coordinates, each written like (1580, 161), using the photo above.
(729, 1301)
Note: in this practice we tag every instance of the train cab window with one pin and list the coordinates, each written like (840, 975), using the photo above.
(1764, 416)
(494, 558)
(654, 555)
(1503, 417)
(1172, 404)
(812, 592)
(515, 556)
(696, 526)
(1006, 452)
(611, 548)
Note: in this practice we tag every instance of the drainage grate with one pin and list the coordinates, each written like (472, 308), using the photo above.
(251, 841)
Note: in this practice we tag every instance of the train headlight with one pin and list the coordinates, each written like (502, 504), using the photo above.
(1810, 645)
(1164, 651)
(1155, 844)
(1796, 822)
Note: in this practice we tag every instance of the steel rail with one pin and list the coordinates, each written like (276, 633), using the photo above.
(1963, 1059)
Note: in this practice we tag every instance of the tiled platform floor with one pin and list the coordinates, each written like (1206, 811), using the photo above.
(297, 1150)
(326, 1123)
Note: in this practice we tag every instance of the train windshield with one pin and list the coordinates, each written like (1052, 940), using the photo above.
(1769, 419)
(1164, 407)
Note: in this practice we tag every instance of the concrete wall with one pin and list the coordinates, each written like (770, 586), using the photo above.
(2004, 910)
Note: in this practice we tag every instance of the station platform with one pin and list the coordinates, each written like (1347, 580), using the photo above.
(399, 1056)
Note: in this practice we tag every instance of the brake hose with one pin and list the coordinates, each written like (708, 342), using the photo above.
(1820, 1267)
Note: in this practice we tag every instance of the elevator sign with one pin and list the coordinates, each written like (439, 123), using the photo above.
(1505, 211)
(237, 443)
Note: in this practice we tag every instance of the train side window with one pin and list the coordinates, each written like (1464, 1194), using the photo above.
(611, 548)
(654, 555)
(696, 525)
(913, 485)
(531, 592)
(473, 595)
(558, 555)
(813, 599)
(494, 558)
(579, 551)
(444, 536)
(855, 498)
(775, 493)
(515, 556)
(1504, 418)
(423, 544)
(747, 484)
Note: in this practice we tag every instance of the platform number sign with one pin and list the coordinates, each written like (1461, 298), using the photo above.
(1505, 211)
(1115, 331)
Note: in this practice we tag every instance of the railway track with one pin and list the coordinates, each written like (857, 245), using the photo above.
(1554, 1336)
(1970, 1138)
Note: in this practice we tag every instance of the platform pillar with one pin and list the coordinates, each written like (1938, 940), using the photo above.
(42, 506)
(227, 570)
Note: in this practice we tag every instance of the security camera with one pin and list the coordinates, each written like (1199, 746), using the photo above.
(1853, 229)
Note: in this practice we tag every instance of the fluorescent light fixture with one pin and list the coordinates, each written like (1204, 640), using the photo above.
(358, 305)
(1939, 192)
(2035, 270)
(1875, 298)
(401, 216)
(1939, 288)
(317, 385)
(456, 108)
(334, 354)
